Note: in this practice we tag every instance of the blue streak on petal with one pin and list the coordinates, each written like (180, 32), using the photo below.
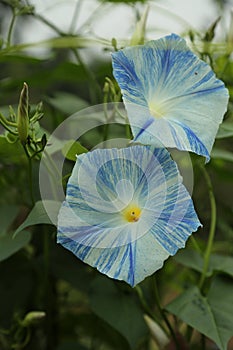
(193, 143)
(144, 127)
(131, 263)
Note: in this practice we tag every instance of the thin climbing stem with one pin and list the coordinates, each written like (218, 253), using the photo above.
(29, 174)
(106, 125)
(55, 176)
(212, 227)
(163, 314)
(11, 26)
(203, 342)
(8, 128)
(94, 14)
(30, 180)
(145, 306)
(128, 132)
(93, 83)
(46, 258)
(95, 89)
(48, 24)
(195, 244)
(75, 15)
(4, 121)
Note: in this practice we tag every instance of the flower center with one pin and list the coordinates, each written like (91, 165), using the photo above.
(132, 213)
(155, 110)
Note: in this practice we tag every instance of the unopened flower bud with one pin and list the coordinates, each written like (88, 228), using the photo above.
(22, 117)
(106, 88)
(114, 44)
(157, 333)
(139, 32)
(32, 317)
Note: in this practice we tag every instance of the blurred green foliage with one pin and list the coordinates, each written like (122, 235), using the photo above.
(83, 309)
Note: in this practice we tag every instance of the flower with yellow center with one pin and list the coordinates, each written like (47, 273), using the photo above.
(126, 211)
(170, 95)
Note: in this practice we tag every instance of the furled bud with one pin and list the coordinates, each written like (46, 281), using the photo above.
(106, 88)
(139, 32)
(22, 116)
(157, 333)
(33, 317)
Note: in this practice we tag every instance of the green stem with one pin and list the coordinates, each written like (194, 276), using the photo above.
(30, 180)
(49, 295)
(46, 259)
(128, 132)
(189, 333)
(6, 124)
(29, 174)
(49, 24)
(195, 244)
(94, 14)
(10, 30)
(75, 15)
(55, 176)
(106, 125)
(54, 166)
(105, 132)
(203, 342)
(146, 308)
(163, 313)
(212, 228)
(94, 86)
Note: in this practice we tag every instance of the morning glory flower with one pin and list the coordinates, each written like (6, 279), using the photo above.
(171, 96)
(126, 211)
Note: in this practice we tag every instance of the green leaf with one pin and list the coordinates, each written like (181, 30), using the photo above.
(221, 263)
(17, 287)
(44, 212)
(90, 123)
(11, 152)
(90, 327)
(67, 103)
(73, 148)
(225, 130)
(8, 214)
(211, 315)
(222, 154)
(192, 259)
(10, 245)
(71, 345)
(118, 309)
(25, 59)
(67, 267)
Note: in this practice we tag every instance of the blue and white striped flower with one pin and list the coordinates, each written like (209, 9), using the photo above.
(171, 96)
(126, 211)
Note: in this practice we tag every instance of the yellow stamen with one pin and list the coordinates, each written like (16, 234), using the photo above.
(132, 213)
